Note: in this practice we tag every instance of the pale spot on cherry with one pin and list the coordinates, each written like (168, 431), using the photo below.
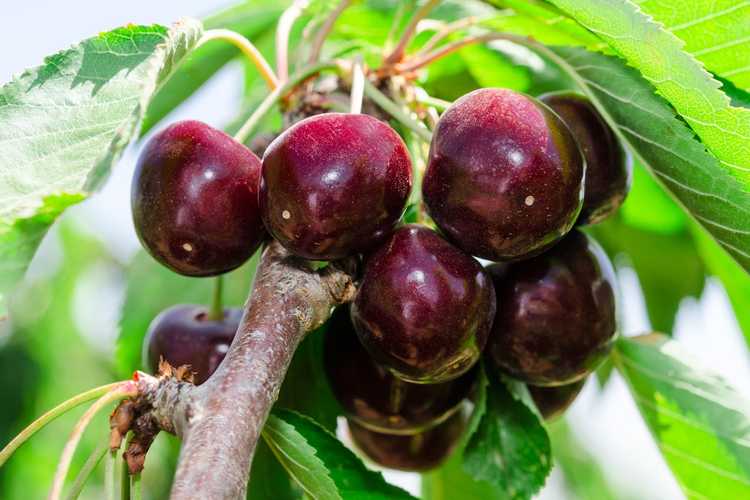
(529, 200)
(286, 215)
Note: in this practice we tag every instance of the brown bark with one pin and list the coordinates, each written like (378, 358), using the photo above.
(220, 421)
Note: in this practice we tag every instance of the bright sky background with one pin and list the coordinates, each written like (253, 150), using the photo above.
(607, 422)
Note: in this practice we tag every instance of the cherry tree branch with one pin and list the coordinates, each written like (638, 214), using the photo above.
(220, 421)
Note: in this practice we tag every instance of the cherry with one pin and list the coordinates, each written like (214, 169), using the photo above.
(424, 308)
(505, 176)
(195, 200)
(608, 166)
(373, 397)
(184, 335)
(555, 320)
(418, 452)
(553, 401)
(334, 185)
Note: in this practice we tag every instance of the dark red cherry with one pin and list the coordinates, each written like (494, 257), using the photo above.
(334, 185)
(505, 176)
(195, 200)
(553, 401)
(418, 452)
(424, 308)
(373, 397)
(555, 319)
(184, 335)
(608, 166)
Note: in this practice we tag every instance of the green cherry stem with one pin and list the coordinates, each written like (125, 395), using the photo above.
(83, 476)
(396, 112)
(249, 126)
(358, 88)
(247, 48)
(110, 472)
(325, 30)
(283, 29)
(51, 415)
(398, 53)
(124, 481)
(136, 487)
(216, 313)
(121, 391)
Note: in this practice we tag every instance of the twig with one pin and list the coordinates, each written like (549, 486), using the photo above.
(122, 391)
(325, 30)
(48, 417)
(396, 112)
(91, 463)
(284, 28)
(398, 53)
(247, 48)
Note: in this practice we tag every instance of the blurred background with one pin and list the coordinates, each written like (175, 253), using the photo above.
(90, 284)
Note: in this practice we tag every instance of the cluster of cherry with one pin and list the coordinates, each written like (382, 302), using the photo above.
(508, 178)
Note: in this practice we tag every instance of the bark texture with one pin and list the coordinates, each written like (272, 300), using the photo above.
(220, 421)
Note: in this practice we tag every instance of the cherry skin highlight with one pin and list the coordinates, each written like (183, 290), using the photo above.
(424, 308)
(504, 179)
(376, 399)
(334, 185)
(556, 316)
(608, 166)
(195, 200)
(184, 335)
(553, 401)
(416, 453)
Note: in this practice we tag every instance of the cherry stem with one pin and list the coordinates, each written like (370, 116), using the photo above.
(216, 313)
(424, 98)
(249, 126)
(425, 59)
(358, 87)
(397, 18)
(136, 487)
(109, 474)
(83, 476)
(247, 48)
(124, 481)
(51, 415)
(396, 112)
(446, 31)
(325, 30)
(398, 53)
(283, 29)
(123, 390)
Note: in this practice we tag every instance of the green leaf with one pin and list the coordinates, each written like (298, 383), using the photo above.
(152, 288)
(719, 201)
(714, 31)
(66, 122)
(268, 479)
(682, 80)
(700, 423)
(510, 448)
(318, 461)
(253, 19)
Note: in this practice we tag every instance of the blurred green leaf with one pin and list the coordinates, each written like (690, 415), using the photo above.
(736, 282)
(253, 19)
(717, 200)
(700, 423)
(583, 474)
(677, 76)
(714, 31)
(323, 466)
(66, 122)
(510, 448)
(152, 288)
(669, 266)
(306, 389)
